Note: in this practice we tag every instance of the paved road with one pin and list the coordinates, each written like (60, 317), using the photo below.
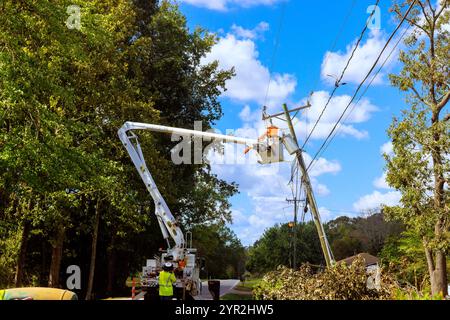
(226, 286)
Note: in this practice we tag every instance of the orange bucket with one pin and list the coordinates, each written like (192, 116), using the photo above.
(272, 131)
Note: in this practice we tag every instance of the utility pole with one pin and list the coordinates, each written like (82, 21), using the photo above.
(295, 201)
(309, 192)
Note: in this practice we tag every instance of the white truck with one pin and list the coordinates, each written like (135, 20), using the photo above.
(180, 254)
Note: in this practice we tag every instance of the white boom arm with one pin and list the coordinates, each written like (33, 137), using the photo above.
(166, 220)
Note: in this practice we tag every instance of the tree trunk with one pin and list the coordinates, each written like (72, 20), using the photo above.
(439, 282)
(43, 280)
(55, 266)
(437, 269)
(93, 252)
(18, 279)
(111, 268)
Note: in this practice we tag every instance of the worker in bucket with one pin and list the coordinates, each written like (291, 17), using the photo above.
(166, 282)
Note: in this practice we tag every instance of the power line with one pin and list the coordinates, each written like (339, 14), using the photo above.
(338, 35)
(362, 83)
(333, 46)
(275, 50)
(367, 89)
(308, 136)
(338, 80)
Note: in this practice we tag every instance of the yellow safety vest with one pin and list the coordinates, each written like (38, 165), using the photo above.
(2, 294)
(166, 281)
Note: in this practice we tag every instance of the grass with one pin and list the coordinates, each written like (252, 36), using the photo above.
(243, 291)
(247, 286)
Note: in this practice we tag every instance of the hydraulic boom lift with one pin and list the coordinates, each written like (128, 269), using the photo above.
(182, 256)
(269, 148)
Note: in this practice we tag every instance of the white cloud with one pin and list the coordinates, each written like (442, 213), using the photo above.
(223, 5)
(322, 166)
(252, 77)
(326, 215)
(446, 26)
(323, 129)
(376, 200)
(365, 56)
(337, 105)
(265, 186)
(255, 33)
(361, 113)
(387, 148)
(248, 116)
(381, 183)
(220, 5)
(322, 190)
(238, 216)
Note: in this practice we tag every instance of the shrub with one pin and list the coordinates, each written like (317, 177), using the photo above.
(340, 282)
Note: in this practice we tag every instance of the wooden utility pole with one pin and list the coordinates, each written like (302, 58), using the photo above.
(310, 194)
(295, 201)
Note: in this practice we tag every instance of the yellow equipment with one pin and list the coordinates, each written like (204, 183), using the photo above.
(37, 294)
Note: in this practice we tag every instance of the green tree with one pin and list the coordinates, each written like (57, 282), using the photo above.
(63, 95)
(342, 238)
(275, 248)
(208, 200)
(403, 256)
(183, 90)
(222, 250)
(419, 165)
(368, 233)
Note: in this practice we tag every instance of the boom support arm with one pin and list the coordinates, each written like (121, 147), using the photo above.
(166, 220)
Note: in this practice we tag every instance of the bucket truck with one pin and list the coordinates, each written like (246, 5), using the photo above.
(180, 254)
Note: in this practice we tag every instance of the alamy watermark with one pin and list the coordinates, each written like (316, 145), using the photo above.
(73, 282)
(374, 278)
(374, 21)
(74, 19)
(217, 148)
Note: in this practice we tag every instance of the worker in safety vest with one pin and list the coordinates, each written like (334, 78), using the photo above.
(166, 282)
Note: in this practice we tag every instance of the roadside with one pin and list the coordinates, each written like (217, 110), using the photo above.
(229, 290)
(226, 287)
(243, 291)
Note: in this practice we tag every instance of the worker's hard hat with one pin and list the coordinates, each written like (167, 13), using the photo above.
(168, 265)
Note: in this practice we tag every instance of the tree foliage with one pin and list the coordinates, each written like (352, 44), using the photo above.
(347, 237)
(419, 165)
(341, 282)
(275, 248)
(403, 256)
(369, 233)
(222, 250)
(63, 95)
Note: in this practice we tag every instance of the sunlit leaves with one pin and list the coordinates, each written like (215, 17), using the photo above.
(340, 282)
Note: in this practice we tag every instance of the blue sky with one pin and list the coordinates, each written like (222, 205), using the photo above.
(349, 177)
